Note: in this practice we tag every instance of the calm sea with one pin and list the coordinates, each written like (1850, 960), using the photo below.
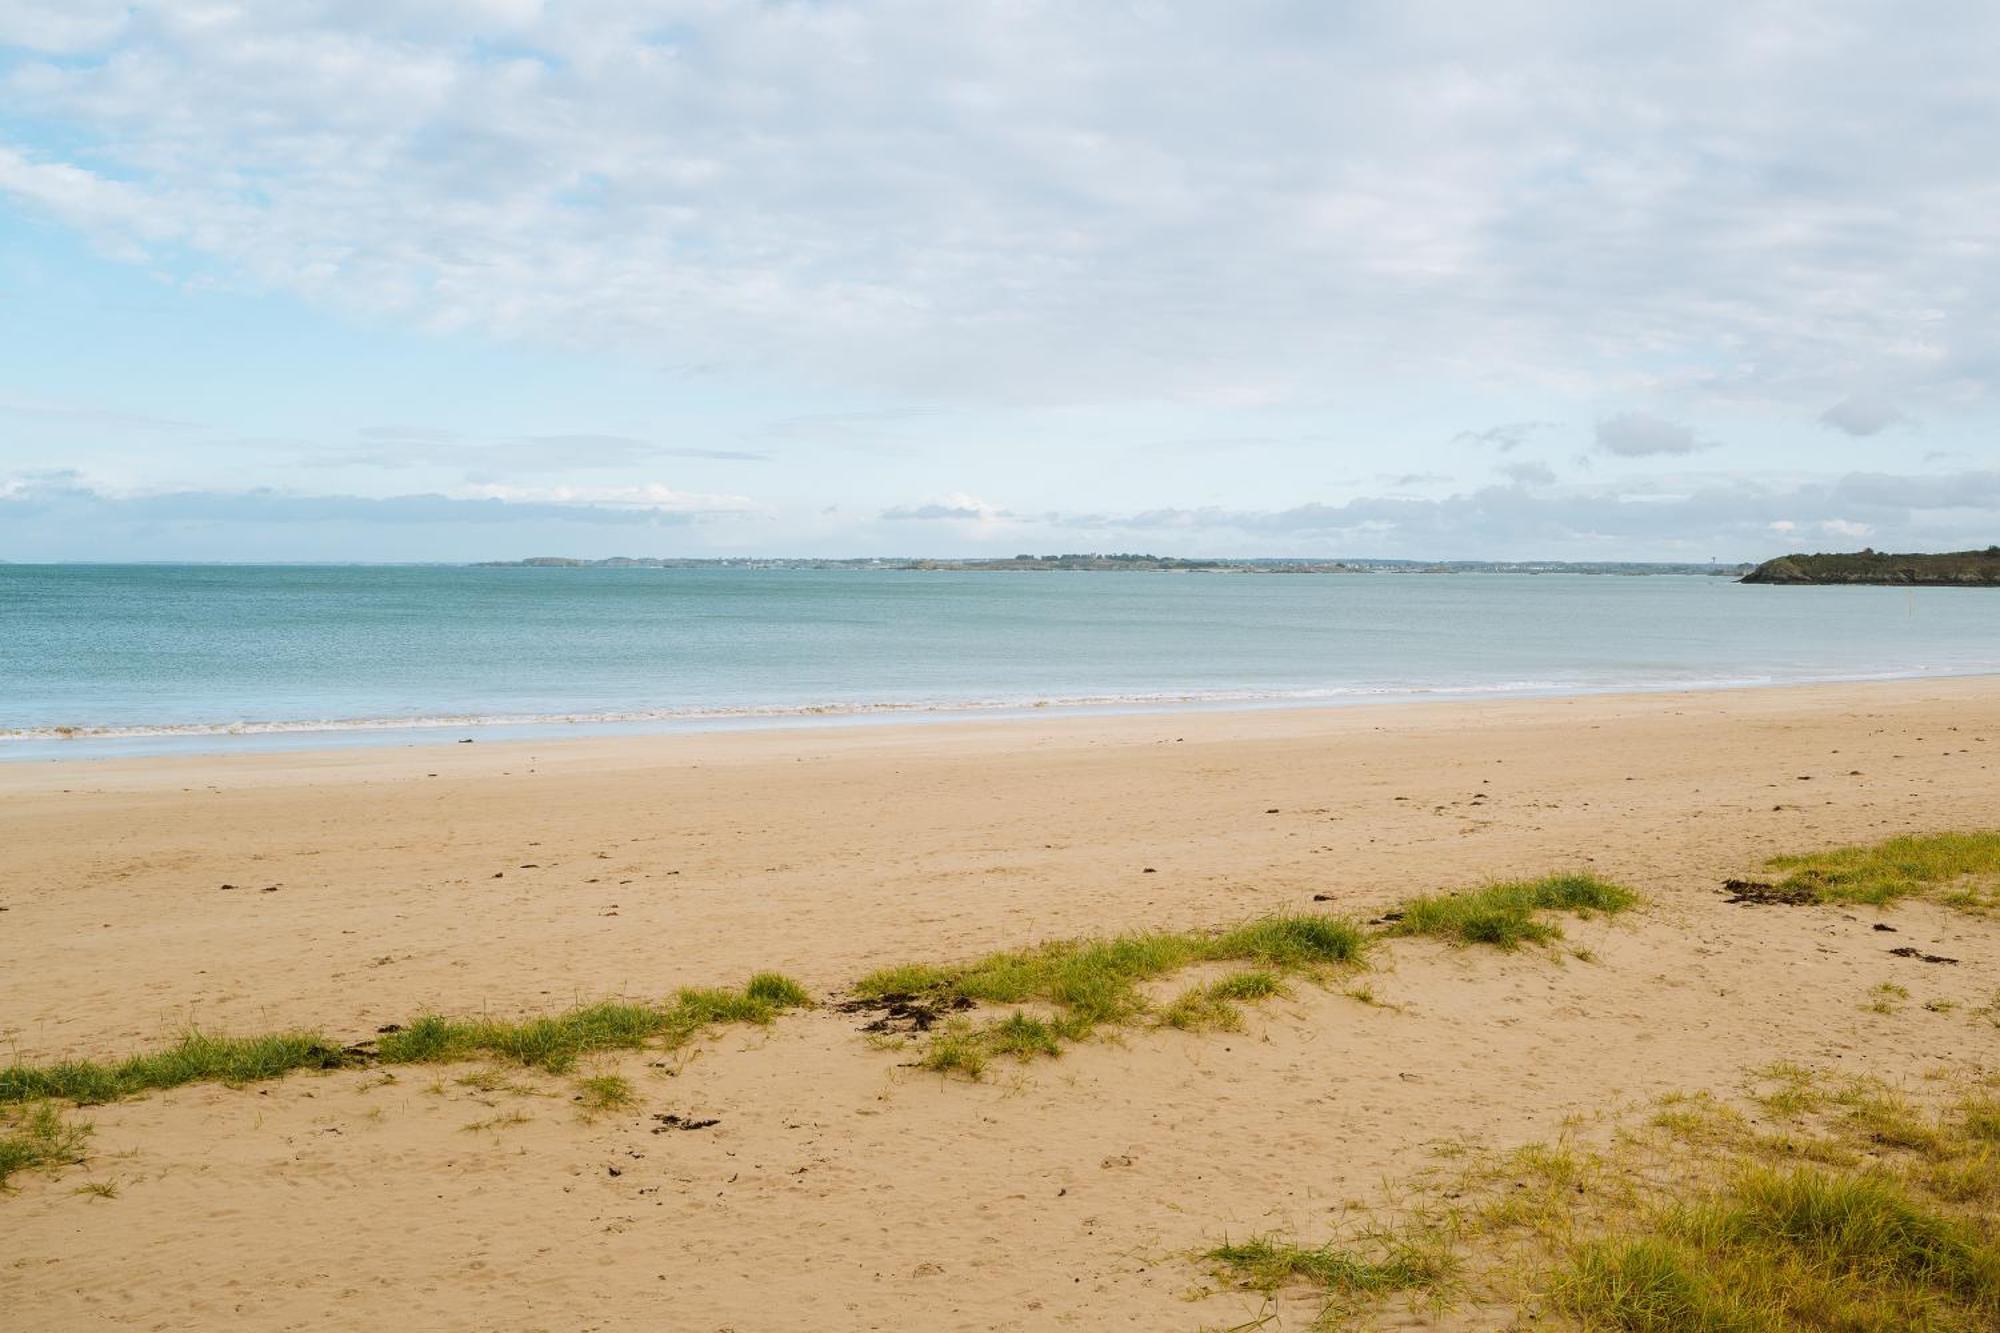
(149, 656)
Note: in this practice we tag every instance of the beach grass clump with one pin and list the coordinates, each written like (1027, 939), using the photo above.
(1789, 1249)
(777, 990)
(196, 1058)
(1083, 984)
(600, 1093)
(38, 1138)
(1959, 869)
(1511, 914)
(551, 1043)
(1834, 1203)
(1396, 1264)
(555, 1043)
(1214, 1006)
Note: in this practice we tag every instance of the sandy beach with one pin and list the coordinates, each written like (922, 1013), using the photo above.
(344, 890)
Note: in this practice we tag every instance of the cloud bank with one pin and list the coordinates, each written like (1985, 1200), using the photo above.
(999, 200)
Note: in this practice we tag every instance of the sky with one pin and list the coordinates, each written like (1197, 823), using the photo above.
(473, 279)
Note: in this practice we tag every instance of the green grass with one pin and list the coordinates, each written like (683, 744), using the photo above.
(1088, 983)
(551, 1043)
(1200, 1008)
(778, 990)
(1836, 1204)
(1508, 915)
(1961, 868)
(1886, 998)
(37, 1137)
(1417, 1260)
(1265, 1264)
(555, 1043)
(600, 1093)
(195, 1058)
(1790, 1249)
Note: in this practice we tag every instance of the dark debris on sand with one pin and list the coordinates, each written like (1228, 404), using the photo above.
(902, 1012)
(1907, 952)
(1760, 894)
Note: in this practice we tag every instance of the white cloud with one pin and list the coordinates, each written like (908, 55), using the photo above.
(1006, 200)
(956, 505)
(1529, 473)
(1642, 435)
(1507, 436)
(1861, 416)
(653, 496)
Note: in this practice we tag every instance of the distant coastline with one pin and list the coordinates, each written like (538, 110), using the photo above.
(1124, 563)
(1950, 569)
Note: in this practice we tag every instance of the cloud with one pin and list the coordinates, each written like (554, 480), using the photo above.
(1714, 516)
(1694, 518)
(408, 435)
(1952, 490)
(1529, 473)
(957, 505)
(491, 460)
(83, 414)
(604, 450)
(1641, 435)
(68, 497)
(1063, 203)
(1861, 416)
(1505, 437)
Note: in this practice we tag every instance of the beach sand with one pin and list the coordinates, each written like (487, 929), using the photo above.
(343, 890)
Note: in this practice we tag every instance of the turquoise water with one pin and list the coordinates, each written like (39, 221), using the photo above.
(228, 652)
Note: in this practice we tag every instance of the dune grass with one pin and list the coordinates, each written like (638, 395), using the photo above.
(554, 1043)
(550, 1043)
(1789, 1249)
(1089, 983)
(1835, 1203)
(1508, 915)
(1959, 869)
(601, 1093)
(1377, 1265)
(195, 1058)
(37, 1137)
(1200, 1008)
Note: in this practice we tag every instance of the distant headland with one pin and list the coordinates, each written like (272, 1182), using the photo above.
(1950, 569)
(1129, 563)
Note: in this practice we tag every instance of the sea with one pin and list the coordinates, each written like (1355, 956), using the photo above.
(122, 659)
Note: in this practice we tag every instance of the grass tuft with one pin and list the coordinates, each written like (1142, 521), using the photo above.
(195, 1058)
(1093, 982)
(605, 1092)
(1508, 915)
(1784, 1249)
(1418, 1259)
(777, 990)
(555, 1043)
(551, 1043)
(1294, 942)
(1200, 1008)
(1963, 868)
(39, 1138)
(1862, 1210)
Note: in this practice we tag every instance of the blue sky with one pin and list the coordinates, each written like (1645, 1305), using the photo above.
(488, 278)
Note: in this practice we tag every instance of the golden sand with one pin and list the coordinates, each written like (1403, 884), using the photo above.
(841, 1189)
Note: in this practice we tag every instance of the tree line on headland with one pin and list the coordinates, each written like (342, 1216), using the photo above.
(1949, 569)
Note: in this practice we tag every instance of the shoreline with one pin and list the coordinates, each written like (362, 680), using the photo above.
(188, 740)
